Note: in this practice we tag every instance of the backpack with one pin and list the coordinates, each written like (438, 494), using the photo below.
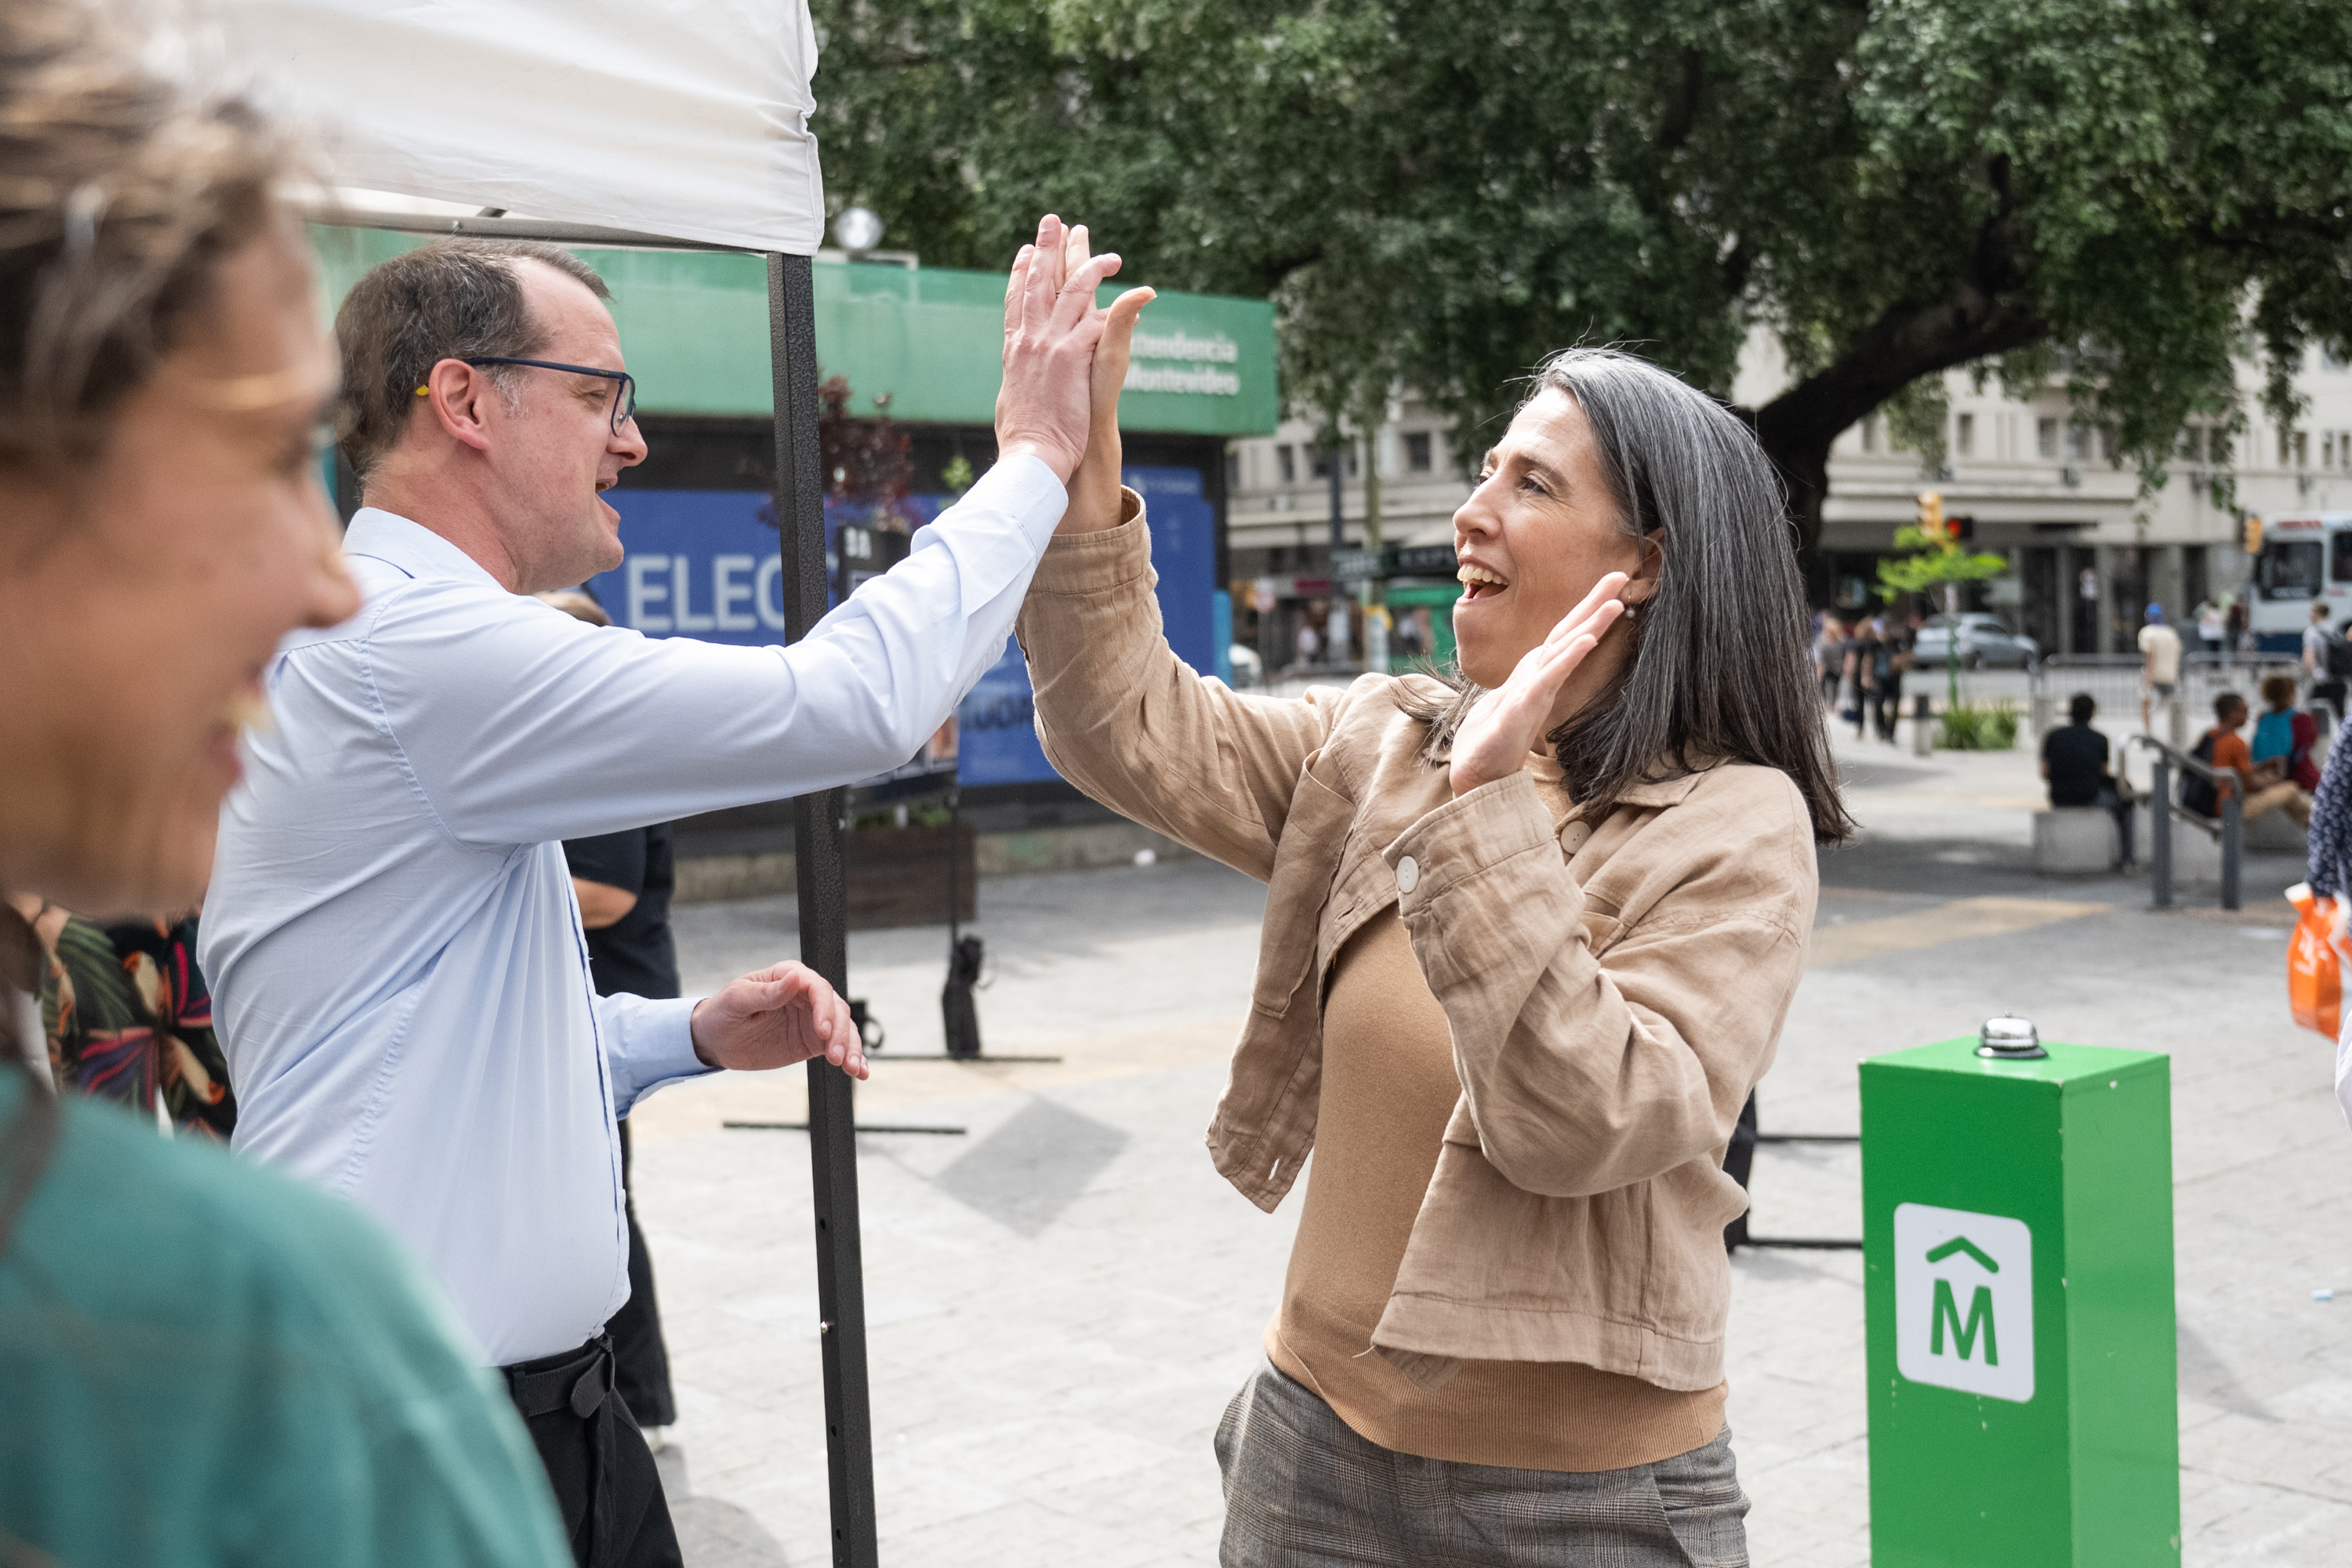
(2197, 792)
(2340, 655)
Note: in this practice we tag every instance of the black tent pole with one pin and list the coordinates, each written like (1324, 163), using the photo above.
(824, 944)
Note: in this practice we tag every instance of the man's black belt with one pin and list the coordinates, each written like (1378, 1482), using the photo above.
(580, 1382)
(580, 1379)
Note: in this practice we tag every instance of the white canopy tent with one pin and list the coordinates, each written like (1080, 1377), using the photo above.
(649, 123)
(682, 119)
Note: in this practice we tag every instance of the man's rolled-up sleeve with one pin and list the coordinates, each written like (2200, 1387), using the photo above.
(647, 1044)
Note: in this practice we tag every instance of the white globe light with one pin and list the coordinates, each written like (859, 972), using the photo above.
(857, 229)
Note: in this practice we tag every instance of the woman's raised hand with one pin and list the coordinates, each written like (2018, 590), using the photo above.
(1094, 490)
(1051, 330)
(1504, 727)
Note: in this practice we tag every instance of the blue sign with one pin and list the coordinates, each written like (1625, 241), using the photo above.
(707, 565)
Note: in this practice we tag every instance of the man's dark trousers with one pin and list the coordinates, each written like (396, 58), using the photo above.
(605, 1483)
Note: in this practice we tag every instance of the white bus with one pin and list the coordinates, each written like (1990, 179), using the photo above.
(2306, 556)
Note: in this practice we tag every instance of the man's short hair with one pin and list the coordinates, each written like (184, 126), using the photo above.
(2278, 689)
(2079, 707)
(453, 298)
(2226, 703)
(2318, 609)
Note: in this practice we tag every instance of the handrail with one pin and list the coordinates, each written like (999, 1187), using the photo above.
(2182, 760)
(2160, 809)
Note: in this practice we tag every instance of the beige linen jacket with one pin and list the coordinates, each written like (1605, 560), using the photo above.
(1614, 989)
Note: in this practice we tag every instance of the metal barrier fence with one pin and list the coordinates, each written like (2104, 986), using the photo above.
(2113, 683)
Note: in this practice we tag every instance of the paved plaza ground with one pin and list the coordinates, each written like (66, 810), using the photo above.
(1063, 1296)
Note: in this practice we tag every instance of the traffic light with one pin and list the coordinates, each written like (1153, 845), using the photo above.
(2253, 527)
(1931, 514)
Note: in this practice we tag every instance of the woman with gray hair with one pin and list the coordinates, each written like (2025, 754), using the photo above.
(1531, 931)
(203, 1363)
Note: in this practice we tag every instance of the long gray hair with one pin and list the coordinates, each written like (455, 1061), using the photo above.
(1720, 669)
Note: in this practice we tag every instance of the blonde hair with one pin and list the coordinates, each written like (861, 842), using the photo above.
(121, 190)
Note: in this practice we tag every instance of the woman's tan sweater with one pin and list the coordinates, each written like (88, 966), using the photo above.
(1612, 989)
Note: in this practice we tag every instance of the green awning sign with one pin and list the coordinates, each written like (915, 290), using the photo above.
(925, 343)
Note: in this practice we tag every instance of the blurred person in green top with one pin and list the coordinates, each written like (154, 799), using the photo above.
(202, 1362)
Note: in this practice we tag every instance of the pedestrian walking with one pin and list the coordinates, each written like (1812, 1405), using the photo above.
(1850, 675)
(2212, 630)
(1829, 660)
(2075, 760)
(1888, 658)
(431, 755)
(202, 1362)
(2160, 652)
(2327, 660)
(1306, 647)
(1865, 654)
(1506, 1298)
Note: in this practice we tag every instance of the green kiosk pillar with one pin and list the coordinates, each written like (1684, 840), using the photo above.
(2017, 1244)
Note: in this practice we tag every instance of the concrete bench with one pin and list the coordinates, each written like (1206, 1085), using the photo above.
(2274, 833)
(2074, 841)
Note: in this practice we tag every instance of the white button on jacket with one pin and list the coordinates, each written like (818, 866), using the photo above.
(397, 960)
(1408, 874)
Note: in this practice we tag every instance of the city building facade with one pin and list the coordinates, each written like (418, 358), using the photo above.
(2027, 476)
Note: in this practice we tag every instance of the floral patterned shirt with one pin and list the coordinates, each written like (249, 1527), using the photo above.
(129, 1018)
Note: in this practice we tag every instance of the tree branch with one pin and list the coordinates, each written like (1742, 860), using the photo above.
(1796, 429)
(1904, 345)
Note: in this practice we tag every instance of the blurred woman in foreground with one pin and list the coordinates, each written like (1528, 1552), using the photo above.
(203, 1363)
(1530, 935)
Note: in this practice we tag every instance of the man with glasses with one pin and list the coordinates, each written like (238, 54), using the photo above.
(398, 970)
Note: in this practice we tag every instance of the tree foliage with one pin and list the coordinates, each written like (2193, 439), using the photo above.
(1936, 561)
(2121, 193)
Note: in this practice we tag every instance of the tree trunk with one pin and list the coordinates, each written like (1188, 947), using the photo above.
(1798, 429)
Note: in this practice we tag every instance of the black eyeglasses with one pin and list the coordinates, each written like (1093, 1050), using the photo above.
(624, 397)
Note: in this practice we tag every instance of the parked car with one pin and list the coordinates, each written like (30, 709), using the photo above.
(1249, 670)
(1983, 640)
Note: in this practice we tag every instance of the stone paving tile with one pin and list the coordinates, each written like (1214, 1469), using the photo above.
(1063, 1299)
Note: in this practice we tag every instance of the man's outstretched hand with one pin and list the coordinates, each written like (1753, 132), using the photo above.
(773, 1017)
(1051, 326)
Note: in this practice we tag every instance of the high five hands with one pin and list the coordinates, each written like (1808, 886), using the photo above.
(1504, 727)
(1051, 329)
(1094, 491)
(1064, 361)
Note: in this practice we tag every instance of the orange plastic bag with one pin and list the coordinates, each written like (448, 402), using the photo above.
(2314, 969)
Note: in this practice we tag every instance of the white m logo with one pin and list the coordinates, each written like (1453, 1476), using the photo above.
(1943, 1257)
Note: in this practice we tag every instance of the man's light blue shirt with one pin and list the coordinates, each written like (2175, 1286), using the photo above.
(398, 972)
